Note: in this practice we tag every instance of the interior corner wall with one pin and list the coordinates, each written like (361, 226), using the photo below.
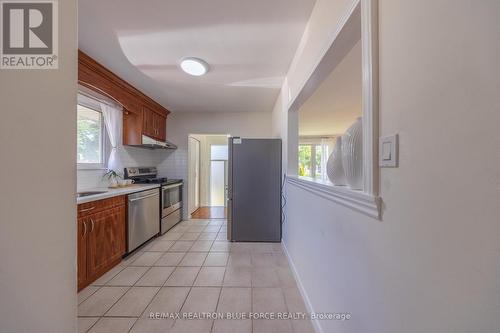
(38, 202)
(431, 263)
(181, 124)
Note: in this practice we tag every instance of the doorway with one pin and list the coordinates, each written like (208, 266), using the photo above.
(218, 175)
(208, 158)
(193, 174)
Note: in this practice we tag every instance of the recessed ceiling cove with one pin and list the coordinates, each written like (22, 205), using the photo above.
(248, 45)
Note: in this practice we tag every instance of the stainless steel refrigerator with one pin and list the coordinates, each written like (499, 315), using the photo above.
(254, 190)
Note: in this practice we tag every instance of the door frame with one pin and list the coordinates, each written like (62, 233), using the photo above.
(190, 180)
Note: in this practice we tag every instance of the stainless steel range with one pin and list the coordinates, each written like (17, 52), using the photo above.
(171, 194)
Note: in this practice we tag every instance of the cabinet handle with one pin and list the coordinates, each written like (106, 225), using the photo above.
(87, 209)
(92, 221)
(144, 197)
(84, 228)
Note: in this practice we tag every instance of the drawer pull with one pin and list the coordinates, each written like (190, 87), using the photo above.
(87, 209)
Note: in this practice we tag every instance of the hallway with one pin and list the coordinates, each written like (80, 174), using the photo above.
(193, 269)
(214, 212)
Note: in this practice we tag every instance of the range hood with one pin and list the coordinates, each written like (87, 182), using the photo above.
(151, 143)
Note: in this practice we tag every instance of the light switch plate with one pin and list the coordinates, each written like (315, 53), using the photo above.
(388, 151)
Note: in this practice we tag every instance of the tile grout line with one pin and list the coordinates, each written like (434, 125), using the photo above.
(220, 295)
(152, 298)
(227, 252)
(190, 288)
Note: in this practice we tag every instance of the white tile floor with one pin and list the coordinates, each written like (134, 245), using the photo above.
(193, 269)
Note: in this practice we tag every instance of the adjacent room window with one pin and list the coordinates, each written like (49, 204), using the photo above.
(90, 137)
(313, 156)
(218, 175)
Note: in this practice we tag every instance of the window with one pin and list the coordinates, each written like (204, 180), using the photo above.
(313, 156)
(218, 152)
(90, 138)
(218, 174)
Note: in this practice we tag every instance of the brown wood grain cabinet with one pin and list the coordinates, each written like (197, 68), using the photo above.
(162, 127)
(82, 252)
(101, 238)
(141, 114)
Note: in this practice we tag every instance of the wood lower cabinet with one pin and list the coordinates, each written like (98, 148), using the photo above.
(82, 252)
(105, 241)
(101, 239)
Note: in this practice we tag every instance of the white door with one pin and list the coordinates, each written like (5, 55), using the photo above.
(194, 175)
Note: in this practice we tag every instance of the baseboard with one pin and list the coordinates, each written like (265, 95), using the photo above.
(309, 307)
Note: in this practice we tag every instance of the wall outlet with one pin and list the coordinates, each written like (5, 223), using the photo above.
(388, 151)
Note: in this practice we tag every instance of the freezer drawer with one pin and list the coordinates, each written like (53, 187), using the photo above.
(170, 220)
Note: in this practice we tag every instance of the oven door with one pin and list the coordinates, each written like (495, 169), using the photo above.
(171, 198)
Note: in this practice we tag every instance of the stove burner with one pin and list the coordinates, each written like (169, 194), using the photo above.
(150, 180)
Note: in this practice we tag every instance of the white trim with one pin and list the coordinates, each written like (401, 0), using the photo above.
(342, 22)
(366, 12)
(302, 290)
(362, 202)
(369, 57)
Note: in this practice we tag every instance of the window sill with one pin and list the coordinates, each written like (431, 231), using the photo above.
(364, 203)
(89, 168)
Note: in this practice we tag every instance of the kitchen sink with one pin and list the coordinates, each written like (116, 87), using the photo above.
(87, 193)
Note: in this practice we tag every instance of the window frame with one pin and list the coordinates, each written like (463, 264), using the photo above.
(366, 200)
(314, 142)
(95, 106)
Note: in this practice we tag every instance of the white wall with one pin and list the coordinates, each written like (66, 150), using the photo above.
(181, 124)
(431, 264)
(38, 204)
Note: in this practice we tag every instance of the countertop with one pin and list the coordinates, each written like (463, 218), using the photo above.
(113, 192)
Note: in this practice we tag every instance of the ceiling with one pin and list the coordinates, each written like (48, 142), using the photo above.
(248, 45)
(336, 104)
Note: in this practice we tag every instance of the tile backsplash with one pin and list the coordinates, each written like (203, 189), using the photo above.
(127, 157)
(170, 164)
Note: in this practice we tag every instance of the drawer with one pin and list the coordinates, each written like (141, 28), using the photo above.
(92, 207)
(170, 220)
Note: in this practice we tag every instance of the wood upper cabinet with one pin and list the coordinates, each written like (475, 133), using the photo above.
(101, 238)
(141, 114)
(106, 241)
(149, 123)
(162, 127)
(154, 124)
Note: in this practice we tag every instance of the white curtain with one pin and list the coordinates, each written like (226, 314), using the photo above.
(113, 119)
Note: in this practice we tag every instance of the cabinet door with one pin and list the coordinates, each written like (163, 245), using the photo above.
(105, 240)
(162, 130)
(82, 227)
(148, 125)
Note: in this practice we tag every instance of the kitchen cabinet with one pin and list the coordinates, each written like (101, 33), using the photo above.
(82, 252)
(101, 238)
(162, 127)
(153, 124)
(141, 114)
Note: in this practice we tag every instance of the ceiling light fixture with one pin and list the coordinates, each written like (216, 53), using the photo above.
(194, 66)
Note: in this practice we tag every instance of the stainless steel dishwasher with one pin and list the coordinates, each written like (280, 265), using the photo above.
(143, 217)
